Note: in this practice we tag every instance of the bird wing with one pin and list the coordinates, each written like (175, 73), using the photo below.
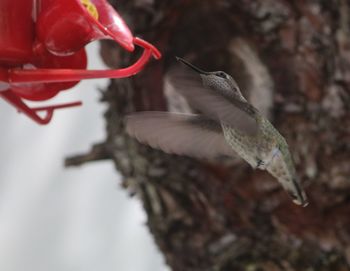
(182, 134)
(217, 104)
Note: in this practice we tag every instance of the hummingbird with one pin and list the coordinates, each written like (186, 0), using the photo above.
(228, 125)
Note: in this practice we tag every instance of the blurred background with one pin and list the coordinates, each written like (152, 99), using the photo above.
(53, 218)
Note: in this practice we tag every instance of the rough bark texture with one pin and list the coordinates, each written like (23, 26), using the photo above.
(292, 59)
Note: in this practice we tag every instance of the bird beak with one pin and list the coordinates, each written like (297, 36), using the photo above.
(191, 66)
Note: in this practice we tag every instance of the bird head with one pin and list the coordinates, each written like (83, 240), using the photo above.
(214, 79)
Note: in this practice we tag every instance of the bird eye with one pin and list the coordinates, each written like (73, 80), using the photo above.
(222, 75)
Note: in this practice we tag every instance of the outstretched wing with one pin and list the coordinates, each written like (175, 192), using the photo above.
(182, 134)
(215, 103)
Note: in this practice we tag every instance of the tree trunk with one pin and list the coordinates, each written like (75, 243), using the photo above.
(292, 60)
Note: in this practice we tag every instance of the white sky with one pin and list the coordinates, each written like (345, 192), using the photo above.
(57, 219)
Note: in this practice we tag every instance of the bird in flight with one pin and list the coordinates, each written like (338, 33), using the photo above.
(227, 126)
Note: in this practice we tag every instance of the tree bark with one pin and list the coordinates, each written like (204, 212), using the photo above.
(292, 60)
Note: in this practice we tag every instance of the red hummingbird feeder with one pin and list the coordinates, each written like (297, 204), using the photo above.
(42, 49)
